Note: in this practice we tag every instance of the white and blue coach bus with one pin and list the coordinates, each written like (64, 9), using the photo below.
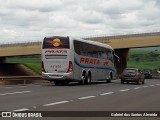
(67, 59)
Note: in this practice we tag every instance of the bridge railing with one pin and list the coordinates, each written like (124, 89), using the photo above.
(105, 38)
(121, 36)
(20, 44)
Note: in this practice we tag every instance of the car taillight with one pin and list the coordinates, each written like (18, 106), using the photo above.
(137, 74)
(70, 67)
(42, 65)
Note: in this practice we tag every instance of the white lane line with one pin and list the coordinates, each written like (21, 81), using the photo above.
(117, 80)
(152, 85)
(22, 86)
(137, 88)
(157, 84)
(82, 98)
(110, 83)
(107, 93)
(19, 110)
(103, 84)
(8, 87)
(16, 93)
(37, 85)
(56, 103)
(124, 90)
(145, 86)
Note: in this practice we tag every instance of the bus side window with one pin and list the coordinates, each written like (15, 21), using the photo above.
(103, 55)
(109, 55)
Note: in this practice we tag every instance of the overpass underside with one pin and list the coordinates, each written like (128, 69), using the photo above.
(123, 55)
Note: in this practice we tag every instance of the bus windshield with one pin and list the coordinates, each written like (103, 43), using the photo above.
(56, 43)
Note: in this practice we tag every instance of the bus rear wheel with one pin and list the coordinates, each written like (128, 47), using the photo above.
(88, 79)
(83, 78)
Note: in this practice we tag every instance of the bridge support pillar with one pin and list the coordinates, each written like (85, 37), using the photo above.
(2, 59)
(123, 55)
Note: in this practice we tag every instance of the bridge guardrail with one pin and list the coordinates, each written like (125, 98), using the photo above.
(20, 44)
(106, 37)
(122, 36)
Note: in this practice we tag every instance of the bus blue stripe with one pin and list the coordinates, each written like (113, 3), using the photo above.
(95, 67)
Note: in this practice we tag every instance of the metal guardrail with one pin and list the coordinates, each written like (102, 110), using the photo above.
(19, 78)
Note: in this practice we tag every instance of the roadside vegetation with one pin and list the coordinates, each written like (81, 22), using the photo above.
(144, 59)
(32, 62)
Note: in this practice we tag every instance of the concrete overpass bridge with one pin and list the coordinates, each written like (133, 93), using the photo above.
(121, 44)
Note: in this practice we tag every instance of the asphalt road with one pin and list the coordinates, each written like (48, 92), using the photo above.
(98, 96)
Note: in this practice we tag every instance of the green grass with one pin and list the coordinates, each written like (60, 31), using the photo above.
(24, 60)
(30, 62)
(144, 59)
(35, 67)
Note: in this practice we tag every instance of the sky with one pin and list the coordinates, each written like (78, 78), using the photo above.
(32, 20)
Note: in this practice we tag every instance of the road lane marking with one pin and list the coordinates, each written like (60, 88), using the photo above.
(37, 85)
(157, 84)
(56, 103)
(152, 85)
(22, 86)
(137, 88)
(124, 90)
(103, 84)
(15, 93)
(82, 98)
(110, 83)
(145, 86)
(117, 80)
(19, 110)
(8, 87)
(107, 93)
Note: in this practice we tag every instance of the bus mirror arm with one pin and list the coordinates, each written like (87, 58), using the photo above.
(117, 58)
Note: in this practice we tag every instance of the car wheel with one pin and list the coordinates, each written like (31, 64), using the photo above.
(122, 82)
